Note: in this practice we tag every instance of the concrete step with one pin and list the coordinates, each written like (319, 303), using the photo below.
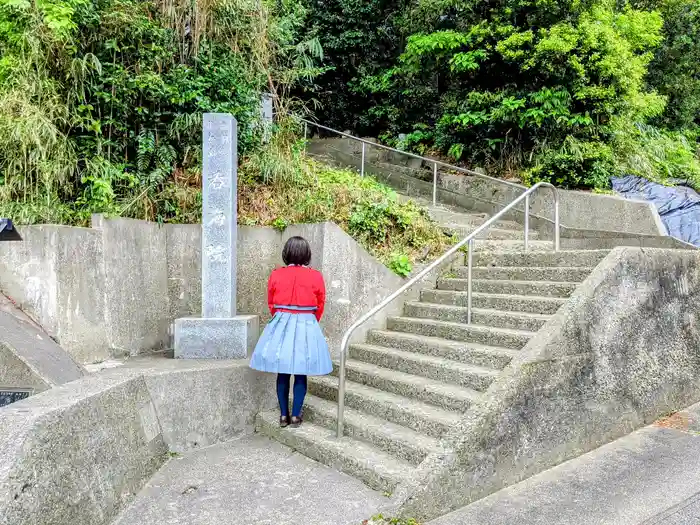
(410, 413)
(488, 245)
(400, 442)
(468, 353)
(446, 217)
(536, 288)
(580, 258)
(507, 338)
(526, 273)
(435, 368)
(511, 303)
(492, 233)
(443, 215)
(486, 317)
(437, 393)
(376, 468)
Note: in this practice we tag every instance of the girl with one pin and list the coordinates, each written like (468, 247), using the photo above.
(292, 342)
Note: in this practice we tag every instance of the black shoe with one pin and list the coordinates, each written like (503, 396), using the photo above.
(296, 422)
(284, 421)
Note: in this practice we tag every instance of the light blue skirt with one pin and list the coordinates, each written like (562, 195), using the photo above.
(292, 343)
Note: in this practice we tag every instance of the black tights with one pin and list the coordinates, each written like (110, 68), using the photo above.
(283, 394)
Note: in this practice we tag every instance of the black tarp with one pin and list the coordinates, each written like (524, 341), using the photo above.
(8, 231)
(678, 206)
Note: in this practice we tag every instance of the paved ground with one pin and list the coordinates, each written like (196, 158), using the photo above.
(251, 481)
(651, 477)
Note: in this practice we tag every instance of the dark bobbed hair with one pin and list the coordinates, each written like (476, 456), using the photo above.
(296, 251)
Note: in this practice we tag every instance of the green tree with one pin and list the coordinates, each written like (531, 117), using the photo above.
(675, 70)
(560, 90)
(525, 83)
(359, 39)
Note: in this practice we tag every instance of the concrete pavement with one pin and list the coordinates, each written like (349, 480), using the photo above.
(650, 477)
(251, 481)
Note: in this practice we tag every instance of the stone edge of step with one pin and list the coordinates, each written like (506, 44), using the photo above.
(376, 468)
(408, 445)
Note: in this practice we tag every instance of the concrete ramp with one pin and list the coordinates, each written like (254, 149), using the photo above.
(30, 361)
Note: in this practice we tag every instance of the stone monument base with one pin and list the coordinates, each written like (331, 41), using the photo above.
(207, 338)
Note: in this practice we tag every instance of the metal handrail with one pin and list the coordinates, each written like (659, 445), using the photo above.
(469, 239)
(434, 162)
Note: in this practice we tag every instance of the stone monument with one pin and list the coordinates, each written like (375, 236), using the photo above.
(219, 333)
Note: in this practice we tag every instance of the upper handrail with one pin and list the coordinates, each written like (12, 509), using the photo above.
(437, 262)
(435, 162)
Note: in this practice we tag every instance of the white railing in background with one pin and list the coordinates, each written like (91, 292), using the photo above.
(435, 163)
(468, 240)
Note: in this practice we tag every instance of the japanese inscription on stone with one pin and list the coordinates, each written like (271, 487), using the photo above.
(219, 173)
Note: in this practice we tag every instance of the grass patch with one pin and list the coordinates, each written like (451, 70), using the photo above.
(397, 233)
(381, 520)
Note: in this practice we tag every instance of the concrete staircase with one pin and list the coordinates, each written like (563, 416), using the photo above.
(462, 223)
(409, 383)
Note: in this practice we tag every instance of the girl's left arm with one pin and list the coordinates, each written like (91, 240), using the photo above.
(271, 295)
(320, 297)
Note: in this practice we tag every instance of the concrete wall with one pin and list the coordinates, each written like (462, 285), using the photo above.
(355, 282)
(584, 239)
(57, 274)
(136, 284)
(621, 352)
(114, 290)
(577, 209)
(77, 454)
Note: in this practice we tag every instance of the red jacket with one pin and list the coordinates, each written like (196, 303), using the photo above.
(296, 286)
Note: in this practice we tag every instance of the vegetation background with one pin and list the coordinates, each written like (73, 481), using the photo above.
(569, 91)
(101, 101)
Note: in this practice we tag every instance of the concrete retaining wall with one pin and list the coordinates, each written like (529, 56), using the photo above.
(584, 239)
(577, 209)
(77, 454)
(136, 284)
(57, 274)
(621, 352)
(113, 290)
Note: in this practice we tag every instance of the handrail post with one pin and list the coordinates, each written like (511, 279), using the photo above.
(362, 163)
(556, 220)
(341, 389)
(470, 261)
(527, 219)
(435, 170)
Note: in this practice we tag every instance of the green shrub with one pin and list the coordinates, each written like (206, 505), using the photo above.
(400, 264)
(302, 190)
